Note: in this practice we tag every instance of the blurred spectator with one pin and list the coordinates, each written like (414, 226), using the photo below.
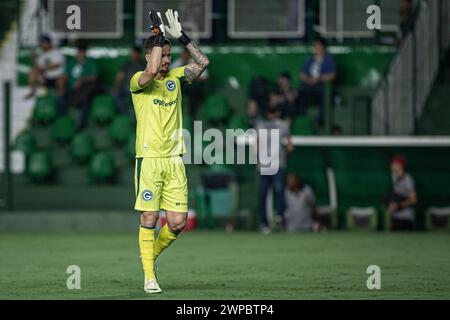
(407, 17)
(401, 201)
(48, 66)
(288, 95)
(283, 97)
(277, 181)
(276, 101)
(336, 130)
(195, 92)
(80, 84)
(123, 77)
(319, 68)
(258, 97)
(300, 205)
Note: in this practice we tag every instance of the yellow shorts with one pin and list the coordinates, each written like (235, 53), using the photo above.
(161, 184)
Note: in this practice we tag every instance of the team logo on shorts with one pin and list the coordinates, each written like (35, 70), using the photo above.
(147, 195)
(170, 85)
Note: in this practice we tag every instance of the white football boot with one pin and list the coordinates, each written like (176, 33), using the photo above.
(151, 286)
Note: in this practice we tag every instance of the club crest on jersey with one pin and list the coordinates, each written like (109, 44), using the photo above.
(147, 195)
(170, 85)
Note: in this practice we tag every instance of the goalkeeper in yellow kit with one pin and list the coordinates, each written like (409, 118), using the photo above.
(160, 178)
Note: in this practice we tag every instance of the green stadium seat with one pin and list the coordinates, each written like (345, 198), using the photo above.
(220, 202)
(303, 125)
(215, 109)
(438, 218)
(131, 147)
(363, 218)
(313, 112)
(45, 110)
(39, 166)
(120, 129)
(63, 130)
(205, 219)
(25, 142)
(217, 196)
(82, 147)
(102, 167)
(238, 121)
(218, 168)
(103, 110)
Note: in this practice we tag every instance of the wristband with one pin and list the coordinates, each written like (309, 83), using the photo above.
(184, 39)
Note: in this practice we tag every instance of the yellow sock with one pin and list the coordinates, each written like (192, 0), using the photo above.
(146, 242)
(165, 239)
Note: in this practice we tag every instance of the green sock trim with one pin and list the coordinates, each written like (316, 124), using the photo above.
(138, 178)
(173, 233)
(150, 228)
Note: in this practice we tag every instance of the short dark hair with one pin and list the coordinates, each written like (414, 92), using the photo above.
(82, 47)
(137, 49)
(150, 43)
(285, 74)
(322, 41)
(45, 38)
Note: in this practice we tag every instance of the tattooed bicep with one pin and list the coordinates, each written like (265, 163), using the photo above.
(195, 69)
(192, 72)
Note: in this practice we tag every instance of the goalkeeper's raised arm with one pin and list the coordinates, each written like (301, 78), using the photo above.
(201, 61)
(155, 42)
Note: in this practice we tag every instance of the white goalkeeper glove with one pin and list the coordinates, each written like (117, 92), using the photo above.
(174, 27)
(162, 26)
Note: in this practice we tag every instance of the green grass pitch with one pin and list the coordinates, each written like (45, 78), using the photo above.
(216, 265)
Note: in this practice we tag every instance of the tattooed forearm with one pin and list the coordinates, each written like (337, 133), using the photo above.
(195, 69)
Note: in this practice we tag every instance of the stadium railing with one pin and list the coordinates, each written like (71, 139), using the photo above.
(361, 169)
(341, 19)
(282, 19)
(401, 97)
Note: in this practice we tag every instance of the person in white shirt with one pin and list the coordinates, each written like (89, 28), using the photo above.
(48, 67)
(301, 207)
(401, 201)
